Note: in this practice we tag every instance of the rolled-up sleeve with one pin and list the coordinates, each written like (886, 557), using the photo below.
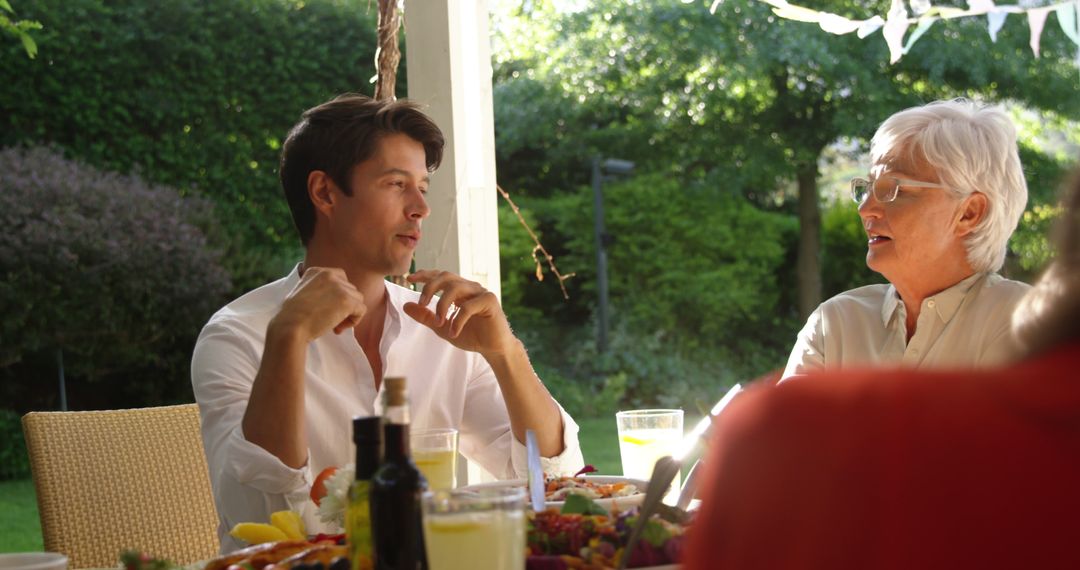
(488, 439)
(249, 483)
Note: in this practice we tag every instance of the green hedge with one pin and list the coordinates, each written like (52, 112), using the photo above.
(14, 463)
(197, 95)
(111, 271)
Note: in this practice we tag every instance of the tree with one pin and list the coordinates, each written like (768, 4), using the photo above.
(678, 89)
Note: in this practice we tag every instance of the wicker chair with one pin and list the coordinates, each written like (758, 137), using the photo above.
(114, 480)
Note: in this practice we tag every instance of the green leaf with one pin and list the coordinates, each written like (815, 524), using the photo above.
(5, 5)
(655, 533)
(581, 505)
(28, 45)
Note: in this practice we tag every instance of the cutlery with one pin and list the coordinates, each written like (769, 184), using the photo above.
(536, 472)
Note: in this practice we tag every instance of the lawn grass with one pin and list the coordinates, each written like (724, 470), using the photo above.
(599, 439)
(20, 529)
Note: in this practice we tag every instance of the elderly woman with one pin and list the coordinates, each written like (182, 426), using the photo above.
(896, 468)
(944, 194)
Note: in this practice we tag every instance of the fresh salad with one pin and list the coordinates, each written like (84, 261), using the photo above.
(583, 535)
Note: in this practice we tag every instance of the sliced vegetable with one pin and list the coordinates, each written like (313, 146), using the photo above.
(318, 488)
(582, 505)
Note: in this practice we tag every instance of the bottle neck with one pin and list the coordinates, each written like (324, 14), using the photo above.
(396, 437)
(367, 460)
(396, 415)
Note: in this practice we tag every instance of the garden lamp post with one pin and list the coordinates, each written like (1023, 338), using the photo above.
(603, 169)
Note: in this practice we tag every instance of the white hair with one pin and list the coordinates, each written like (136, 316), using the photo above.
(973, 149)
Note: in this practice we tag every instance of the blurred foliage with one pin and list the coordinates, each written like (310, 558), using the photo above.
(18, 28)
(1030, 242)
(681, 266)
(111, 271)
(694, 303)
(14, 462)
(722, 106)
(844, 250)
(195, 95)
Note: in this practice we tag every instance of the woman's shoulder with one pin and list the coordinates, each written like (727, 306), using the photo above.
(866, 296)
(998, 285)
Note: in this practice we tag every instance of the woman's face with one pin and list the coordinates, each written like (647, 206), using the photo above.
(915, 240)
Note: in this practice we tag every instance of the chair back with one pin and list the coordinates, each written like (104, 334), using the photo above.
(109, 481)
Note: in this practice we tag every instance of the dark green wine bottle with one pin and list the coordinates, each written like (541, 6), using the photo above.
(396, 489)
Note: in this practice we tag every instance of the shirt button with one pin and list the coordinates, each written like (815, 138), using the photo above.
(931, 303)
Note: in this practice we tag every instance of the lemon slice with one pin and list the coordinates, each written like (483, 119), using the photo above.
(257, 533)
(636, 441)
(289, 523)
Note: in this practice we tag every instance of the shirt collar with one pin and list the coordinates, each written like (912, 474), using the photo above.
(888, 308)
(944, 304)
(947, 302)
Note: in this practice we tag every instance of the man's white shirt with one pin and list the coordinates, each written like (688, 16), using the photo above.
(447, 386)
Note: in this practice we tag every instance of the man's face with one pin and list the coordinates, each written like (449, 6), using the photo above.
(377, 229)
(913, 238)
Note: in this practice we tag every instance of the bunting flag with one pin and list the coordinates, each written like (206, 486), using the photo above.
(1036, 21)
(897, 21)
(896, 24)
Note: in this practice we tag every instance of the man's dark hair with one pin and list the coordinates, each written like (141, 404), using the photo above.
(341, 133)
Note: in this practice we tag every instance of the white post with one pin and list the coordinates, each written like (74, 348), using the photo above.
(449, 69)
(448, 55)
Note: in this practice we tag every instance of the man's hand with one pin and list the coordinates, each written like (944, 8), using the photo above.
(323, 299)
(467, 315)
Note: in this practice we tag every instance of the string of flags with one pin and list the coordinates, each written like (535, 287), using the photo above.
(923, 14)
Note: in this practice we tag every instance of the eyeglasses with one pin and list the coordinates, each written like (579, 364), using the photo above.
(861, 188)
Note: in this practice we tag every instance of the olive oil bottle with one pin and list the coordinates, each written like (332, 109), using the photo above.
(367, 434)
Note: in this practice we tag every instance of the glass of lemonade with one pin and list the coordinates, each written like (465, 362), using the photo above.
(466, 530)
(644, 437)
(434, 451)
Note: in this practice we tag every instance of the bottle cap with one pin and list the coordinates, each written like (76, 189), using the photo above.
(367, 429)
(395, 390)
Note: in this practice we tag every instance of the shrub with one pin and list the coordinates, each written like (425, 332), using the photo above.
(195, 95)
(106, 268)
(695, 285)
(14, 462)
(843, 247)
(689, 259)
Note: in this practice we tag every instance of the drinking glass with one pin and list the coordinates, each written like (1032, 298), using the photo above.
(467, 530)
(435, 453)
(644, 437)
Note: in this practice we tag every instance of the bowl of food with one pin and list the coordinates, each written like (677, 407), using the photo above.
(608, 491)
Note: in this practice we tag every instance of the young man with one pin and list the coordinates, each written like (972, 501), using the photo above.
(279, 372)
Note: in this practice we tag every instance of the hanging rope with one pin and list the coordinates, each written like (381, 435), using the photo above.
(387, 54)
(387, 58)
